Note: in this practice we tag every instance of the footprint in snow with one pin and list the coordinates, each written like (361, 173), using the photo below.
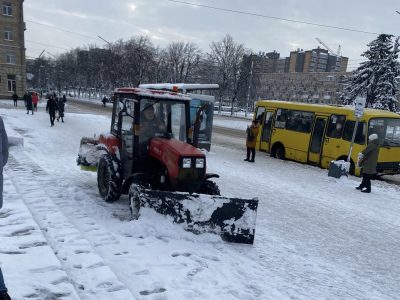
(32, 245)
(146, 292)
(185, 254)
(81, 251)
(45, 269)
(12, 252)
(5, 214)
(23, 232)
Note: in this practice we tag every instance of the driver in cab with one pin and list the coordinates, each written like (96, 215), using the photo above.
(150, 124)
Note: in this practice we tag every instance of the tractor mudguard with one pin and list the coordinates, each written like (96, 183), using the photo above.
(233, 219)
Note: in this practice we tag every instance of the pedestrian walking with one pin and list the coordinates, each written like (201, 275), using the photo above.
(15, 98)
(29, 105)
(368, 159)
(64, 98)
(51, 108)
(105, 100)
(251, 137)
(25, 97)
(35, 100)
(3, 161)
(61, 108)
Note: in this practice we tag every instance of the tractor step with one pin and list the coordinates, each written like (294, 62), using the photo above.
(233, 219)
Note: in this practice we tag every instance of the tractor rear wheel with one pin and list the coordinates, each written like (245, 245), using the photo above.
(209, 188)
(109, 178)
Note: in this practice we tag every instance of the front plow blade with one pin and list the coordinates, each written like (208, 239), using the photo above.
(233, 219)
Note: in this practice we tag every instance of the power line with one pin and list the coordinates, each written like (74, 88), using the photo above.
(274, 18)
(61, 29)
(49, 45)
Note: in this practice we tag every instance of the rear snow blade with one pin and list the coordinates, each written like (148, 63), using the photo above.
(233, 219)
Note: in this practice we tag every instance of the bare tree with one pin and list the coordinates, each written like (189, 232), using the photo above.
(226, 58)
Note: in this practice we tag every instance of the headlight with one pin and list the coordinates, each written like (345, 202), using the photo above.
(199, 163)
(186, 163)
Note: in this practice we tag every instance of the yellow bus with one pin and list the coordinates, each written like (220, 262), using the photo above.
(317, 134)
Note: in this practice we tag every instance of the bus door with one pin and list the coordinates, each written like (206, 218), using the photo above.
(266, 127)
(334, 146)
(317, 140)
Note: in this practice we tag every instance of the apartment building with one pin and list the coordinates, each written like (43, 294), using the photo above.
(313, 87)
(12, 49)
(316, 60)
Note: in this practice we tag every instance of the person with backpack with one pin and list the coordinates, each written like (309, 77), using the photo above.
(251, 137)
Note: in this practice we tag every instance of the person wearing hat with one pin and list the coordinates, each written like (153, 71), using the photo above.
(368, 162)
(150, 124)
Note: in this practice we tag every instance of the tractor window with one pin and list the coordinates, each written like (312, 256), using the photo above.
(162, 118)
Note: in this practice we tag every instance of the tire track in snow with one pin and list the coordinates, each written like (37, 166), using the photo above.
(92, 278)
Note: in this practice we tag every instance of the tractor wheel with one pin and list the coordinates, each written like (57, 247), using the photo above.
(280, 152)
(109, 178)
(134, 200)
(209, 188)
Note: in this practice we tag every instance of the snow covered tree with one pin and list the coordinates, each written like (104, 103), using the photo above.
(376, 77)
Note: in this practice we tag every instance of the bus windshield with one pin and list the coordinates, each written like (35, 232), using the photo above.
(388, 131)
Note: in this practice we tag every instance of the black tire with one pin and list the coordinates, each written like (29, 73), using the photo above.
(280, 152)
(209, 188)
(109, 178)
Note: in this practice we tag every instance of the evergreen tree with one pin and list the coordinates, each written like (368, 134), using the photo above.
(375, 78)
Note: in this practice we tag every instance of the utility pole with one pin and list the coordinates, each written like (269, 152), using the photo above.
(249, 88)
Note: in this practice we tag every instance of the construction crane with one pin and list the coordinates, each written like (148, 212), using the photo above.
(329, 49)
(337, 54)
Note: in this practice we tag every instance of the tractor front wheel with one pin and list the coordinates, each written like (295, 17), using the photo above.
(209, 188)
(109, 178)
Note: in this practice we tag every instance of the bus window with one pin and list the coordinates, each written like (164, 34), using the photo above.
(266, 133)
(281, 117)
(299, 121)
(360, 134)
(388, 131)
(260, 115)
(335, 126)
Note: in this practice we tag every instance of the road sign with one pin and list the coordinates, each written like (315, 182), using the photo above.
(359, 104)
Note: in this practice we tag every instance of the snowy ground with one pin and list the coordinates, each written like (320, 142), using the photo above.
(316, 237)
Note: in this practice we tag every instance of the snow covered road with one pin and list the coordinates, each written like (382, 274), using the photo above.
(316, 237)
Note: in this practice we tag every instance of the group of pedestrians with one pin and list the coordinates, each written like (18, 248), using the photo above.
(368, 158)
(54, 104)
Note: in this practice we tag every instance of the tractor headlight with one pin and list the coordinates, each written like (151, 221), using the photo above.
(199, 163)
(186, 163)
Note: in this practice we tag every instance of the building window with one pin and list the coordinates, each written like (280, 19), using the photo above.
(8, 36)
(10, 59)
(7, 10)
(11, 83)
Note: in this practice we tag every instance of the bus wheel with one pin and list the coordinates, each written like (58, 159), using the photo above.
(280, 152)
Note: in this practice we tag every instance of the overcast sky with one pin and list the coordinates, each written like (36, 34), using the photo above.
(164, 21)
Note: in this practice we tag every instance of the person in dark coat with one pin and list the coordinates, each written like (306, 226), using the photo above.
(368, 162)
(15, 98)
(29, 104)
(251, 138)
(105, 100)
(60, 107)
(51, 107)
(25, 97)
(3, 161)
(64, 99)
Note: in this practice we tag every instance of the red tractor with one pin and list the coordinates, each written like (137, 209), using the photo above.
(149, 155)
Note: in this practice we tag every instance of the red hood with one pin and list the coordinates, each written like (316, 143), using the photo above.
(159, 145)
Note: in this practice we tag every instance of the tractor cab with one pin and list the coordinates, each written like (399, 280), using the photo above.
(154, 131)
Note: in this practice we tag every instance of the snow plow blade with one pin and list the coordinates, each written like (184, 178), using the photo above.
(233, 219)
(89, 153)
